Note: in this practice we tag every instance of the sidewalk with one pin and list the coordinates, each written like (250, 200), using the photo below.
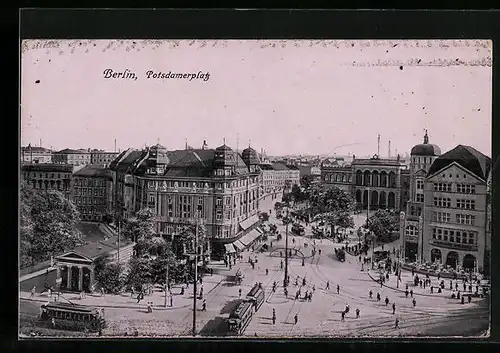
(126, 301)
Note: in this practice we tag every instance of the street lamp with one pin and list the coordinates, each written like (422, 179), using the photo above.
(285, 279)
(195, 271)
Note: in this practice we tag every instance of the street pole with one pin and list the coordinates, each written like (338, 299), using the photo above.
(166, 284)
(286, 250)
(119, 236)
(195, 274)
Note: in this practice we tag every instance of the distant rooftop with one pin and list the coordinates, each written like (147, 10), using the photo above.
(94, 171)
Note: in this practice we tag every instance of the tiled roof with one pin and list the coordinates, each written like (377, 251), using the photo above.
(468, 157)
(48, 167)
(279, 166)
(34, 149)
(71, 151)
(266, 167)
(94, 171)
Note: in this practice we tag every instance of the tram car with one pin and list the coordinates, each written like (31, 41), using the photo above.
(256, 296)
(240, 317)
(73, 316)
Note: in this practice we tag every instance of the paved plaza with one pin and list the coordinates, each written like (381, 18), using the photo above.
(434, 313)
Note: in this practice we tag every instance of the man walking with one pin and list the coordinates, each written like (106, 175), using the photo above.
(204, 305)
(296, 318)
(386, 301)
(239, 293)
(370, 294)
(396, 324)
(357, 313)
(274, 317)
(327, 284)
(414, 302)
(338, 289)
(393, 308)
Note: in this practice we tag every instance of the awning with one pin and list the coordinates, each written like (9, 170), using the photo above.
(239, 245)
(249, 238)
(229, 248)
(250, 221)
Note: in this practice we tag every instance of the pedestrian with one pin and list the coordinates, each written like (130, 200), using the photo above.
(171, 301)
(286, 292)
(338, 289)
(464, 286)
(386, 301)
(357, 313)
(239, 293)
(463, 301)
(33, 291)
(396, 324)
(102, 292)
(432, 289)
(314, 288)
(201, 293)
(451, 285)
(378, 297)
(370, 294)
(319, 251)
(343, 315)
(414, 301)
(327, 284)
(393, 308)
(204, 305)
(406, 293)
(456, 285)
(281, 264)
(469, 299)
(274, 317)
(304, 281)
(267, 271)
(458, 295)
(359, 258)
(296, 318)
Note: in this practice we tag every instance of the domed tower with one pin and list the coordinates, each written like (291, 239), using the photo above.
(422, 157)
(224, 161)
(157, 159)
(251, 159)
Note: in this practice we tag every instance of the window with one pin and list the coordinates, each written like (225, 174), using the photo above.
(441, 217)
(446, 187)
(420, 184)
(466, 219)
(420, 197)
(466, 188)
(218, 215)
(218, 202)
(442, 202)
(466, 204)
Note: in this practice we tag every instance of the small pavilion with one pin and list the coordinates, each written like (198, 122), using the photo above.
(75, 268)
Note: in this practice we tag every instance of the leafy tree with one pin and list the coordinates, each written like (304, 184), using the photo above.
(264, 216)
(140, 273)
(287, 198)
(382, 223)
(332, 205)
(111, 278)
(297, 194)
(306, 181)
(141, 226)
(47, 224)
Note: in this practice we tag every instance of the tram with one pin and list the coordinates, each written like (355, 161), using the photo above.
(72, 316)
(256, 296)
(240, 317)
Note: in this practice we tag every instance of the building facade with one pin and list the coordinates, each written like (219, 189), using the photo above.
(49, 176)
(336, 173)
(377, 182)
(218, 186)
(421, 158)
(92, 190)
(32, 154)
(455, 209)
(75, 157)
(102, 157)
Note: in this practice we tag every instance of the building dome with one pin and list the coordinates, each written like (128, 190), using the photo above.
(426, 149)
(224, 156)
(250, 156)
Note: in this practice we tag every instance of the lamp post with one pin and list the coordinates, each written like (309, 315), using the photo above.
(285, 279)
(195, 272)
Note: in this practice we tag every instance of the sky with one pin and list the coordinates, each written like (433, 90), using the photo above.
(287, 97)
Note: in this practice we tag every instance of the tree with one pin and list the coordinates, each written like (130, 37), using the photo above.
(297, 194)
(111, 278)
(140, 273)
(141, 226)
(306, 181)
(332, 205)
(47, 224)
(264, 217)
(382, 223)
